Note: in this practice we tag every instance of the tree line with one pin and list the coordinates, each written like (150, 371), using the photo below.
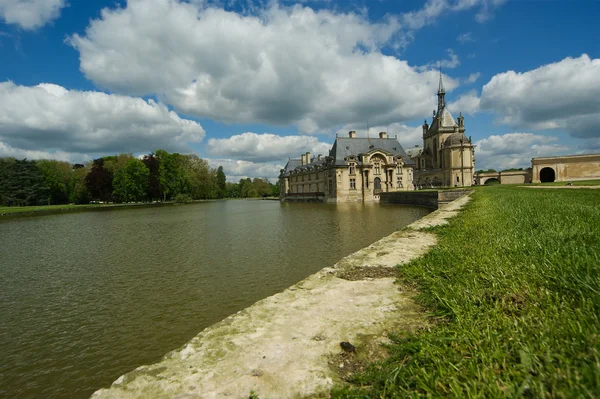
(159, 176)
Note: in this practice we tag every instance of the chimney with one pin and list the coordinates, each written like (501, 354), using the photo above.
(352, 134)
(303, 157)
(382, 135)
(307, 158)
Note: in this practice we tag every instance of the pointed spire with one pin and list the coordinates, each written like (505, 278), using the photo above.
(441, 94)
(441, 86)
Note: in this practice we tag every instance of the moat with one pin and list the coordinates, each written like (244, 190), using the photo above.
(86, 297)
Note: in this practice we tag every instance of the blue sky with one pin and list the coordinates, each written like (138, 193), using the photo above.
(247, 84)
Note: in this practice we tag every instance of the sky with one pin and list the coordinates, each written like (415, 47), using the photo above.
(247, 84)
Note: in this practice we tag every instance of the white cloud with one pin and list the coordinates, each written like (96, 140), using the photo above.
(237, 169)
(60, 120)
(313, 69)
(562, 95)
(465, 38)
(433, 10)
(472, 78)
(30, 14)
(408, 136)
(515, 150)
(266, 147)
(8, 151)
(468, 103)
(450, 63)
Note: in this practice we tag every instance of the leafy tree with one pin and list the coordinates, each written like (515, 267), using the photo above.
(172, 175)
(99, 181)
(262, 187)
(22, 183)
(114, 163)
(78, 193)
(57, 175)
(221, 182)
(131, 182)
(202, 180)
(153, 165)
(275, 189)
(233, 190)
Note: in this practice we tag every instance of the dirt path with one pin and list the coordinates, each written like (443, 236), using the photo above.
(288, 345)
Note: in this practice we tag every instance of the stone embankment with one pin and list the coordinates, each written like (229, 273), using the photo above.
(288, 345)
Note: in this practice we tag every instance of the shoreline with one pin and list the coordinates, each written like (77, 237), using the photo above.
(288, 345)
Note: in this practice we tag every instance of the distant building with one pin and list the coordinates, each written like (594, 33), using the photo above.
(447, 158)
(357, 169)
(565, 168)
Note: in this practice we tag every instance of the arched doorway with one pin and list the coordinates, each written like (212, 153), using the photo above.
(377, 184)
(491, 181)
(547, 175)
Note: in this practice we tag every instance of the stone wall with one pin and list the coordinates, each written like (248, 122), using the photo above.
(429, 199)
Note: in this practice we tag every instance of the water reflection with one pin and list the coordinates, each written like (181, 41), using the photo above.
(86, 297)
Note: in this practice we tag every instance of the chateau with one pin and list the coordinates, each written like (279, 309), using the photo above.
(447, 158)
(360, 169)
(357, 169)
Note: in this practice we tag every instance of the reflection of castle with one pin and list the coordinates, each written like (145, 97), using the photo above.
(447, 158)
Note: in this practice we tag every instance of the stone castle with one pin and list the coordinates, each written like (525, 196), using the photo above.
(360, 169)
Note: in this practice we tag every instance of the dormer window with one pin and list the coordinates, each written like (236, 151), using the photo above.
(352, 168)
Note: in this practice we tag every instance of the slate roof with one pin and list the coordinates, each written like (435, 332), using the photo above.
(345, 146)
(446, 118)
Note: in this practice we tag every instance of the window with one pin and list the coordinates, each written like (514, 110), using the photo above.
(352, 168)
(330, 187)
(318, 175)
(352, 184)
(457, 180)
(377, 168)
(367, 178)
(302, 177)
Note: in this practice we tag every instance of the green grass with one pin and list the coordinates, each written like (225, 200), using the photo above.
(514, 288)
(25, 209)
(575, 183)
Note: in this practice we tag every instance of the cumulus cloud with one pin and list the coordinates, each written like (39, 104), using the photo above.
(266, 147)
(562, 95)
(408, 136)
(237, 169)
(67, 121)
(8, 151)
(285, 65)
(515, 150)
(30, 14)
(468, 103)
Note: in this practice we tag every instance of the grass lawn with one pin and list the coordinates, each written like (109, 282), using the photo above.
(575, 183)
(23, 209)
(514, 287)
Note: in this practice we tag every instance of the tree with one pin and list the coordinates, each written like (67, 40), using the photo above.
(201, 179)
(78, 193)
(221, 182)
(171, 175)
(114, 163)
(57, 175)
(131, 182)
(22, 183)
(99, 181)
(153, 165)
(233, 190)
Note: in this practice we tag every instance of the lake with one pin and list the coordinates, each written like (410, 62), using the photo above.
(86, 297)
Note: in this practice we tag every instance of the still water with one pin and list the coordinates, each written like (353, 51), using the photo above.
(86, 297)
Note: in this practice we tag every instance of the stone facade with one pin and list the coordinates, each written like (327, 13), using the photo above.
(356, 169)
(566, 168)
(505, 177)
(447, 158)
